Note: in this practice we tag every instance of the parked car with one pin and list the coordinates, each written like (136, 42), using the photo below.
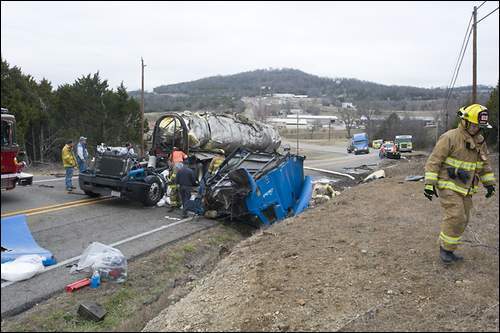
(389, 150)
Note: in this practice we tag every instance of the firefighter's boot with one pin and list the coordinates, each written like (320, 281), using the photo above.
(446, 256)
(456, 258)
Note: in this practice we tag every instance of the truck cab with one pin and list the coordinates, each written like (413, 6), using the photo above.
(358, 144)
(11, 171)
(404, 143)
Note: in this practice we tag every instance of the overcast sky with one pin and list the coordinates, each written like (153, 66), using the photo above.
(388, 42)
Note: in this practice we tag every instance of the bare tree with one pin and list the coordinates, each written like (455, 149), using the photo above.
(349, 117)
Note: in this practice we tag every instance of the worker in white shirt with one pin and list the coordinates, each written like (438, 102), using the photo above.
(82, 154)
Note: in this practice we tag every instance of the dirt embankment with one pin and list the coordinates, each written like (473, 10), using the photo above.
(367, 260)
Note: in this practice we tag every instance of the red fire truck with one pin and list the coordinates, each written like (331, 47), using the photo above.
(11, 169)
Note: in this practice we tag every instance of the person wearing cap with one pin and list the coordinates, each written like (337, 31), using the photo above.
(456, 165)
(69, 162)
(82, 154)
(130, 149)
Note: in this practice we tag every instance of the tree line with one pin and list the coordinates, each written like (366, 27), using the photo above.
(47, 117)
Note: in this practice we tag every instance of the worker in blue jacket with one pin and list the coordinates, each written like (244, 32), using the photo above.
(186, 180)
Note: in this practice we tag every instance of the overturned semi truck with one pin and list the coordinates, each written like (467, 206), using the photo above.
(120, 174)
(257, 187)
(201, 134)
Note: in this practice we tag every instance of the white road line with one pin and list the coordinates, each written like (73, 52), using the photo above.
(52, 180)
(67, 261)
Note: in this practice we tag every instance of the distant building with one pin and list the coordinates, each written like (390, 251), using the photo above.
(348, 106)
(304, 120)
(289, 123)
(287, 95)
(310, 118)
(283, 95)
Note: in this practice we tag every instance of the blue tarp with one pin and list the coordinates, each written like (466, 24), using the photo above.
(17, 240)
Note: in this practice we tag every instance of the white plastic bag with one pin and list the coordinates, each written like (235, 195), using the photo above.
(108, 261)
(22, 268)
(162, 201)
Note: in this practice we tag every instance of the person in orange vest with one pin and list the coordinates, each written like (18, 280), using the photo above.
(178, 156)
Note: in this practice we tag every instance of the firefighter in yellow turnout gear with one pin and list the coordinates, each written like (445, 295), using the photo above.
(455, 167)
(173, 191)
(216, 162)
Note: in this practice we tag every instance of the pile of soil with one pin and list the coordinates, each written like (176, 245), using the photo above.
(366, 260)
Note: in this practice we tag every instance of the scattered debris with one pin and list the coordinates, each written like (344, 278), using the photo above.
(47, 186)
(91, 311)
(58, 175)
(414, 178)
(375, 175)
(322, 192)
(77, 285)
(360, 169)
(109, 262)
(22, 268)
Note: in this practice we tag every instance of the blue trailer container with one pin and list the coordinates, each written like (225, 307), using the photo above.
(262, 187)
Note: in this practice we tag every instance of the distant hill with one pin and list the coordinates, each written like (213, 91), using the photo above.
(225, 90)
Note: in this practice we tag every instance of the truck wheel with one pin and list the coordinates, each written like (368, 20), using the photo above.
(91, 194)
(154, 192)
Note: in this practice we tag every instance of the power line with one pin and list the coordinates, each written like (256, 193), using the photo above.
(488, 15)
(460, 53)
(481, 5)
(460, 64)
(457, 68)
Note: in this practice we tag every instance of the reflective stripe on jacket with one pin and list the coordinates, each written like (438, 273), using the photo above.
(457, 149)
(68, 158)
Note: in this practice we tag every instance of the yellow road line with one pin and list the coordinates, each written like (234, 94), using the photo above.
(44, 209)
(72, 206)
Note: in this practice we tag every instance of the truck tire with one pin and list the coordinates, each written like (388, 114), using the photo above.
(91, 194)
(154, 192)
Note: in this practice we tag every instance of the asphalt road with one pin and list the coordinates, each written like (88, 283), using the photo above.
(68, 229)
(332, 157)
(66, 224)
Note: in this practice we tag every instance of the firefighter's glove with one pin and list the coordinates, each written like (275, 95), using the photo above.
(429, 191)
(491, 191)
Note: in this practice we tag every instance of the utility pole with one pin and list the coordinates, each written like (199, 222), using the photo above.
(437, 130)
(142, 108)
(297, 132)
(474, 57)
